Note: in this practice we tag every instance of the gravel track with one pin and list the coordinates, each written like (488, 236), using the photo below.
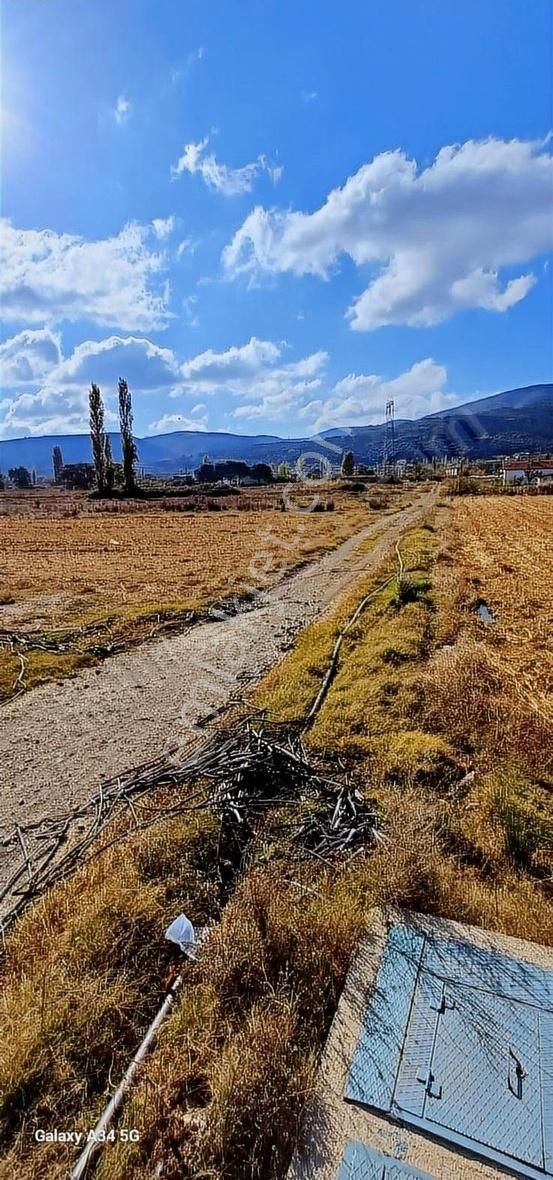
(58, 742)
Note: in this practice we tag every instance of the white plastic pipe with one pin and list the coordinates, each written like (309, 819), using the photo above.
(95, 1143)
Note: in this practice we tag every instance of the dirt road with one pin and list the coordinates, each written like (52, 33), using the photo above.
(58, 742)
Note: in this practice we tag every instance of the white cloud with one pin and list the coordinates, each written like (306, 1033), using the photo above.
(267, 388)
(47, 277)
(254, 379)
(191, 317)
(145, 365)
(441, 236)
(163, 227)
(28, 356)
(122, 109)
(212, 370)
(229, 181)
(39, 415)
(61, 402)
(169, 422)
(256, 372)
(309, 95)
(360, 399)
(187, 246)
(51, 410)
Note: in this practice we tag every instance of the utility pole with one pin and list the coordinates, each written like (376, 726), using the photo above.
(390, 446)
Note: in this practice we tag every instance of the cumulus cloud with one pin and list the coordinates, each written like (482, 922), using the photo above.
(222, 178)
(146, 366)
(61, 411)
(211, 370)
(61, 402)
(256, 373)
(255, 380)
(359, 399)
(28, 356)
(122, 110)
(440, 238)
(47, 277)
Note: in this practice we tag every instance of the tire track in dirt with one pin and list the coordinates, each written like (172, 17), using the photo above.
(60, 741)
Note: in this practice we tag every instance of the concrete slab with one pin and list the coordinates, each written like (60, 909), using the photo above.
(331, 1122)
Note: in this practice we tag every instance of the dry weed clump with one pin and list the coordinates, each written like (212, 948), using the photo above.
(236, 1059)
(507, 820)
(81, 978)
(471, 693)
(462, 687)
(432, 865)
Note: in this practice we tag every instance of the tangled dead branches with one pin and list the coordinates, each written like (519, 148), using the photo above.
(238, 773)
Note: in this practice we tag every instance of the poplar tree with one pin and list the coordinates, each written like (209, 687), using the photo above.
(348, 463)
(109, 464)
(57, 462)
(97, 435)
(129, 453)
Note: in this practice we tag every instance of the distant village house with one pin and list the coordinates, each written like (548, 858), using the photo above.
(529, 470)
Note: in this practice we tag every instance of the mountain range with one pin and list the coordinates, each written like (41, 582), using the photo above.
(503, 424)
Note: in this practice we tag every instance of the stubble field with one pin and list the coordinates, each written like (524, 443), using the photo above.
(76, 585)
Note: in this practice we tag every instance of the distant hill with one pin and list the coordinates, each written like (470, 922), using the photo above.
(516, 420)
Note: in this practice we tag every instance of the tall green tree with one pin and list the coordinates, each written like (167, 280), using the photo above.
(109, 464)
(129, 452)
(57, 463)
(21, 477)
(97, 435)
(348, 463)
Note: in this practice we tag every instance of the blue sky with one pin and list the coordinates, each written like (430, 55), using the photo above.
(272, 217)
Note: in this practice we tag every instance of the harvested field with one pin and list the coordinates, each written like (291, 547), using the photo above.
(504, 551)
(493, 670)
(88, 584)
(49, 746)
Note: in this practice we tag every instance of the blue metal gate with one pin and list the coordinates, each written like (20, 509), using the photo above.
(459, 1041)
(362, 1163)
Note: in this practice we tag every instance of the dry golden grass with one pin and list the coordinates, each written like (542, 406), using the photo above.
(92, 563)
(492, 685)
(370, 710)
(82, 977)
(59, 574)
(236, 1060)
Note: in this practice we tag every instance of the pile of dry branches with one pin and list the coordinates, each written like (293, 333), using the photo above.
(239, 773)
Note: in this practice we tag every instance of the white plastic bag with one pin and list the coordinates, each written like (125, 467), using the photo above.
(181, 932)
